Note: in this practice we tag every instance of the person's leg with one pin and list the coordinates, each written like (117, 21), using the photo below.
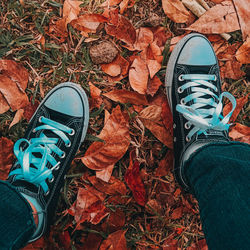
(219, 176)
(16, 219)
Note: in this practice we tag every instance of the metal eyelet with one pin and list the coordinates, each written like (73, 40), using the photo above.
(187, 125)
(174, 139)
(174, 126)
(34, 130)
(72, 132)
(68, 144)
(180, 78)
(183, 101)
(40, 119)
(63, 155)
(50, 181)
(180, 90)
(215, 79)
(188, 138)
(46, 193)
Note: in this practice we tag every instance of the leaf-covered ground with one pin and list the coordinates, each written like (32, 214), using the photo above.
(120, 192)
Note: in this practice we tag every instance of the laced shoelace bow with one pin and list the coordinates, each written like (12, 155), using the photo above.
(44, 146)
(198, 114)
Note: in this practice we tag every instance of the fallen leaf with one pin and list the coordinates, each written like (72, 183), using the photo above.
(165, 165)
(115, 240)
(95, 93)
(167, 116)
(153, 207)
(71, 10)
(125, 96)
(18, 116)
(144, 37)
(111, 69)
(6, 157)
(243, 53)
(240, 103)
(240, 133)
(88, 23)
(36, 245)
(153, 85)
(115, 134)
(152, 112)
(177, 213)
(29, 110)
(58, 29)
(105, 174)
(115, 221)
(92, 242)
(134, 182)
(123, 31)
(153, 67)
(176, 11)
(138, 75)
(123, 6)
(218, 19)
(4, 106)
(109, 3)
(243, 13)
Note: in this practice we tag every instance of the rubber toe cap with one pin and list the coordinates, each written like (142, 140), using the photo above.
(197, 51)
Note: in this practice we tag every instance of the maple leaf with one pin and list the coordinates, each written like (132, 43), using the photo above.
(6, 157)
(243, 53)
(125, 96)
(13, 82)
(123, 31)
(176, 11)
(138, 75)
(134, 181)
(115, 240)
(115, 134)
(219, 19)
(243, 13)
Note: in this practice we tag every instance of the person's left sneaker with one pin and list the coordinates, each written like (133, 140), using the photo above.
(55, 132)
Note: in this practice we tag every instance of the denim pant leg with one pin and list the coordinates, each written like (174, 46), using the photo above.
(219, 176)
(16, 219)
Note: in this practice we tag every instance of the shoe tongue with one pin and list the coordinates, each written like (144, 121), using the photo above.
(59, 117)
(199, 69)
(24, 186)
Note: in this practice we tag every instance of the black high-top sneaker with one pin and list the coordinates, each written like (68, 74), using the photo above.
(194, 94)
(55, 132)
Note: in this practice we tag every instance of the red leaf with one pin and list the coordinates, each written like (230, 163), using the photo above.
(153, 85)
(6, 157)
(240, 133)
(167, 117)
(165, 165)
(96, 99)
(29, 110)
(134, 181)
(117, 139)
(177, 213)
(123, 31)
(115, 240)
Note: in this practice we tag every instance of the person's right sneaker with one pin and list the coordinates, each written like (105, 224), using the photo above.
(194, 94)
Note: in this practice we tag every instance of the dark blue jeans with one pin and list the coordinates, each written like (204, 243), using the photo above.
(219, 176)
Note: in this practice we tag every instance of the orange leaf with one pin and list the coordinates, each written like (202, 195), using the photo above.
(177, 213)
(71, 10)
(176, 11)
(153, 85)
(95, 93)
(58, 30)
(240, 103)
(18, 116)
(125, 96)
(105, 174)
(29, 110)
(144, 37)
(167, 117)
(138, 75)
(240, 133)
(165, 165)
(243, 12)
(123, 6)
(6, 157)
(4, 106)
(134, 181)
(109, 3)
(243, 53)
(115, 133)
(151, 112)
(115, 240)
(153, 67)
(123, 31)
(220, 18)
(111, 69)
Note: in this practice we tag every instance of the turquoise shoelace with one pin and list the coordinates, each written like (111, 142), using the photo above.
(44, 146)
(205, 112)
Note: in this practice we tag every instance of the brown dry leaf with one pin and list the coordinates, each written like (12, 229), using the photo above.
(155, 51)
(176, 11)
(125, 96)
(243, 53)
(243, 12)
(115, 240)
(115, 134)
(115, 221)
(13, 95)
(88, 23)
(144, 37)
(105, 174)
(6, 157)
(167, 116)
(123, 31)
(123, 6)
(109, 3)
(111, 69)
(240, 103)
(95, 93)
(71, 10)
(18, 116)
(177, 213)
(240, 133)
(165, 165)
(153, 85)
(138, 75)
(152, 112)
(219, 19)
(217, 1)
(58, 30)
(4, 106)
(29, 110)
(153, 67)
